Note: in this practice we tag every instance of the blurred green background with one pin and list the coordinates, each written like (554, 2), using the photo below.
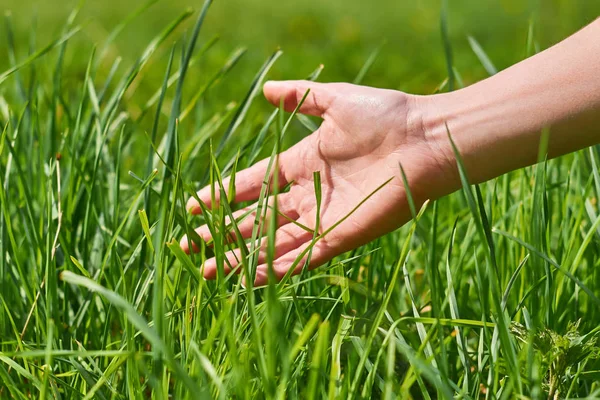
(338, 33)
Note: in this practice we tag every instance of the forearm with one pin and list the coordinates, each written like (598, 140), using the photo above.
(497, 123)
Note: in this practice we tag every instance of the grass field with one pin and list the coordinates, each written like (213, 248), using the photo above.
(112, 115)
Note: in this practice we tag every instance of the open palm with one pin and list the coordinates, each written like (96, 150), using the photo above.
(365, 135)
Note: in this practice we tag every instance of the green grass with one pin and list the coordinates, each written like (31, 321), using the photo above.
(492, 292)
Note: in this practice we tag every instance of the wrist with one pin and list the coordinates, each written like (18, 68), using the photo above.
(490, 126)
(432, 115)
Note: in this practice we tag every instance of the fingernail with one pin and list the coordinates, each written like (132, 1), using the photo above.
(183, 243)
(191, 205)
(271, 83)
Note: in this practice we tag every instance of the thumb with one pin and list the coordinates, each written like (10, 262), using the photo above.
(317, 102)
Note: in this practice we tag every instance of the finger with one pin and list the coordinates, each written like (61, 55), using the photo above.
(287, 238)
(245, 219)
(286, 214)
(231, 262)
(291, 92)
(204, 231)
(248, 184)
(321, 253)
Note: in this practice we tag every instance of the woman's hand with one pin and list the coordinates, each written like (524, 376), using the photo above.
(365, 135)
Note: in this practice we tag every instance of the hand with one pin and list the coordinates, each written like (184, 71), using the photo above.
(366, 133)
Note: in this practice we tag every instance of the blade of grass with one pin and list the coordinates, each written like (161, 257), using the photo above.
(482, 56)
(368, 64)
(138, 321)
(484, 231)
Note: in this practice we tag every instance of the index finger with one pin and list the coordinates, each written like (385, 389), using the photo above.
(248, 184)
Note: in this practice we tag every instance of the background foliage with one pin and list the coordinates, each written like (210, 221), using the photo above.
(492, 293)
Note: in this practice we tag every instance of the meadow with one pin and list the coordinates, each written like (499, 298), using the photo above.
(113, 113)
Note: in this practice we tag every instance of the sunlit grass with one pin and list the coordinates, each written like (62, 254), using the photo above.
(491, 292)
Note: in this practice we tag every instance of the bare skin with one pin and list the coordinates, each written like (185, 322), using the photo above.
(367, 133)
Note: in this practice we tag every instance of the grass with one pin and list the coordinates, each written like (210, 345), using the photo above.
(492, 292)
